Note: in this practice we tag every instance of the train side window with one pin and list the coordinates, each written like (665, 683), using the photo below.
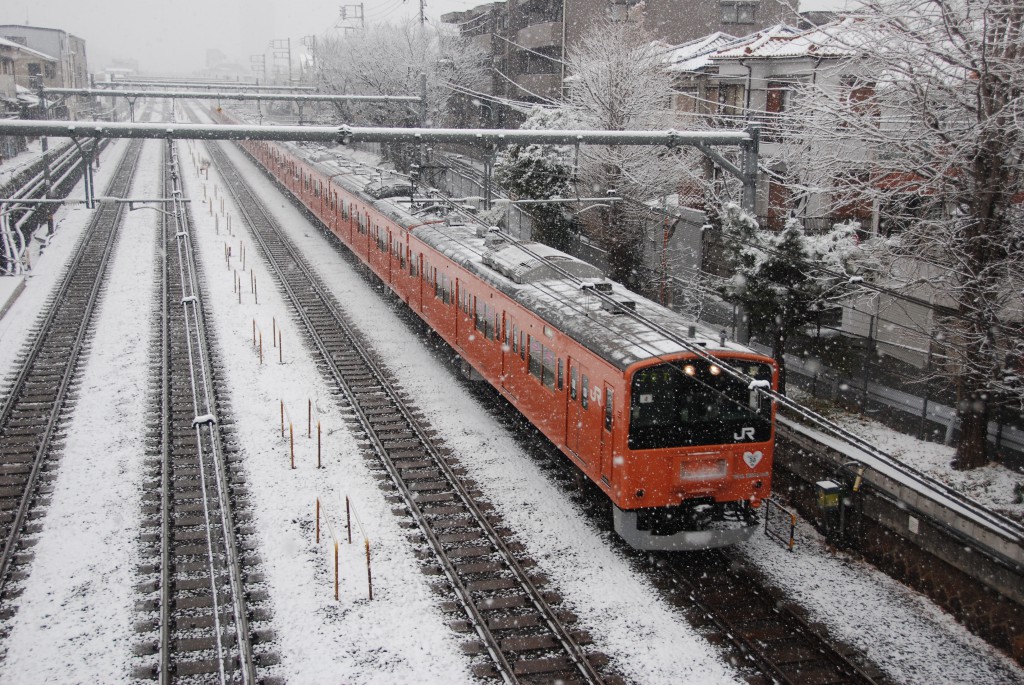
(484, 319)
(515, 339)
(585, 392)
(547, 367)
(522, 347)
(573, 380)
(608, 405)
(536, 358)
(561, 374)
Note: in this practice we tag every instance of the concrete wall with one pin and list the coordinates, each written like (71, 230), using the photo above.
(964, 568)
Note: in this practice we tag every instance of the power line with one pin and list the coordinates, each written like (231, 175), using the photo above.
(521, 47)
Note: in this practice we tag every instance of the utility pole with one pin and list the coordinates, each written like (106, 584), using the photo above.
(283, 47)
(258, 64)
(45, 146)
(422, 2)
(346, 12)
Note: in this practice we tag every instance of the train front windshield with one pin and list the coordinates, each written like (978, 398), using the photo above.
(693, 402)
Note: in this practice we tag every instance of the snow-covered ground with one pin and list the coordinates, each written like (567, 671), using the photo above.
(74, 618)
(74, 621)
(994, 485)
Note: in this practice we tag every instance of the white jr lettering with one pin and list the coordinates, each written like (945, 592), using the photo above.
(746, 433)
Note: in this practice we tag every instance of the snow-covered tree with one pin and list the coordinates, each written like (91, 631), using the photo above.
(387, 59)
(783, 280)
(541, 172)
(617, 82)
(928, 127)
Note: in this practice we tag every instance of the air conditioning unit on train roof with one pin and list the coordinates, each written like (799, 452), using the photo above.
(492, 235)
(618, 305)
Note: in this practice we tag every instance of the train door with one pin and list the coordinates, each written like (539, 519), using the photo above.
(574, 407)
(606, 405)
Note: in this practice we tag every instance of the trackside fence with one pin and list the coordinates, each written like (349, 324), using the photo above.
(780, 523)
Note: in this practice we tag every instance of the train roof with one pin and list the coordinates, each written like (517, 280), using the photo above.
(559, 288)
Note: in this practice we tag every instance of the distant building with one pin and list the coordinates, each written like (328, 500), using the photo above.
(528, 40)
(71, 65)
(21, 69)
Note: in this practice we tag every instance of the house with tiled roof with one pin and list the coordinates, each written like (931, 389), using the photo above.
(20, 68)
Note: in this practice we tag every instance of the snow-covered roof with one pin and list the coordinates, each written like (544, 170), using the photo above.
(571, 304)
(783, 41)
(18, 46)
(25, 95)
(694, 55)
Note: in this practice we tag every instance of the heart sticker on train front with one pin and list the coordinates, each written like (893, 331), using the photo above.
(752, 458)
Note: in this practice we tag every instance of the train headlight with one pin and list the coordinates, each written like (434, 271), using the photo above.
(689, 369)
(704, 470)
(714, 370)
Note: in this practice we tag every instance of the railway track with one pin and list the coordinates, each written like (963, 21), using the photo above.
(42, 389)
(511, 619)
(768, 633)
(203, 614)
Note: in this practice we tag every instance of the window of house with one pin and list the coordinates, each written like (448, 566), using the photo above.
(860, 94)
(776, 97)
(738, 12)
(685, 99)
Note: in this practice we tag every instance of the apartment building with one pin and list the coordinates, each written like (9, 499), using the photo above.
(71, 66)
(529, 40)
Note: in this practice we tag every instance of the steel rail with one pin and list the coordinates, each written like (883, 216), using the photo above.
(166, 499)
(122, 176)
(204, 405)
(355, 134)
(750, 649)
(492, 645)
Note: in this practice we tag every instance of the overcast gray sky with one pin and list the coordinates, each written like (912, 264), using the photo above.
(173, 35)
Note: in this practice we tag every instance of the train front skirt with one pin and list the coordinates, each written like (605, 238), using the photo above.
(722, 532)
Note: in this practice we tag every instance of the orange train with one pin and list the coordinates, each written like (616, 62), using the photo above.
(682, 448)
